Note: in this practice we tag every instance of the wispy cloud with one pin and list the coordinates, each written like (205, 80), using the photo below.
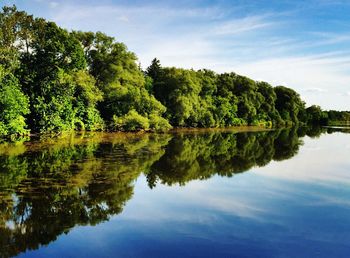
(316, 90)
(326, 162)
(308, 75)
(53, 4)
(239, 26)
(330, 38)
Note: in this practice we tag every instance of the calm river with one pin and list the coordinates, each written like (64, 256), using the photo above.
(283, 193)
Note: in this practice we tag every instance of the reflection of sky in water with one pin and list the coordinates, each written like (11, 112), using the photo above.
(294, 208)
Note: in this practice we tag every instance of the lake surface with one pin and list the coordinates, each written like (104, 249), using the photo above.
(283, 193)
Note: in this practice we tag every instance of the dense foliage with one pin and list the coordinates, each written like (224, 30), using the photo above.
(52, 80)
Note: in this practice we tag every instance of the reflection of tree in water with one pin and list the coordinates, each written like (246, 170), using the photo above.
(190, 157)
(54, 187)
(48, 187)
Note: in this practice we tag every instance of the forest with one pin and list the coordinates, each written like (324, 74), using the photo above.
(53, 80)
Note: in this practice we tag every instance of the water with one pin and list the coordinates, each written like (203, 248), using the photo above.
(279, 193)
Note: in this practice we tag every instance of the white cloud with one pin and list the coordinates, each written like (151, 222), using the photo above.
(53, 4)
(331, 38)
(321, 74)
(238, 26)
(124, 18)
(316, 90)
(323, 161)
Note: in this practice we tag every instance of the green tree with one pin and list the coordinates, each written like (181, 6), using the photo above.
(154, 70)
(119, 78)
(14, 105)
(288, 104)
(43, 76)
(179, 92)
(267, 110)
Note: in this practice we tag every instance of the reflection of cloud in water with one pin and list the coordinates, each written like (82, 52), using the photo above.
(202, 199)
(323, 161)
(324, 200)
(234, 206)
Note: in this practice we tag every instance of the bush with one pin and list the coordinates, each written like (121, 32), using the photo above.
(208, 120)
(93, 120)
(238, 122)
(3, 130)
(158, 123)
(132, 121)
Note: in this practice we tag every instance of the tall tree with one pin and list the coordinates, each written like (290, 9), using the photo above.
(122, 83)
(14, 105)
(288, 104)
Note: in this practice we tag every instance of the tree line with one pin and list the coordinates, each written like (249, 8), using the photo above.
(52, 81)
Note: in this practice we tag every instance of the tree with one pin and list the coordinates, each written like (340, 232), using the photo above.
(43, 74)
(14, 105)
(119, 78)
(154, 70)
(267, 110)
(179, 91)
(288, 104)
(15, 35)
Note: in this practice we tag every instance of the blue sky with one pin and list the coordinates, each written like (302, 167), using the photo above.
(301, 44)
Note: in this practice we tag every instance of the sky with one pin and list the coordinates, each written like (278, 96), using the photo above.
(300, 44)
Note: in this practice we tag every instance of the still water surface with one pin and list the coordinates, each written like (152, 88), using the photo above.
(279, 193)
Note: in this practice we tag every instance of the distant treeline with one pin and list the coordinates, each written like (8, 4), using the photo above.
(52, 80)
